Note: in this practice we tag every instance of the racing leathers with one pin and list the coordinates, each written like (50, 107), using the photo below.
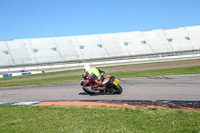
(95, 75)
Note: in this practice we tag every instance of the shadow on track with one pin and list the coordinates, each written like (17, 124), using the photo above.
(96, 94)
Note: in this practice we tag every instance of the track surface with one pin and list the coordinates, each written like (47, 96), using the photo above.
(181, 87)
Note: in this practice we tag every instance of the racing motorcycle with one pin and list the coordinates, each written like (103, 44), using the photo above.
(110, 85)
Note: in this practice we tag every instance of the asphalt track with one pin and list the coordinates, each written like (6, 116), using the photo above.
(182, 91)
(180, 87)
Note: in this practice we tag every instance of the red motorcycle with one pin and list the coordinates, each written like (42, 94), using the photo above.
(110, 85)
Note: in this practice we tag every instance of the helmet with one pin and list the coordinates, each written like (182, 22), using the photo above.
(86, 68)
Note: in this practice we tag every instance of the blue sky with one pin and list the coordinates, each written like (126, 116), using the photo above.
(20, 19)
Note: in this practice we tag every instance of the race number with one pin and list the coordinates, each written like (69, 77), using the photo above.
(116, 82)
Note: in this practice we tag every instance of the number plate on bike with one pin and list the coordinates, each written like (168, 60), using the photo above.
(116, 82)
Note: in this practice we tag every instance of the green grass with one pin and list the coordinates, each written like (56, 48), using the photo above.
(129, 74)
(160, 72)
(56, 80)
(74, 119)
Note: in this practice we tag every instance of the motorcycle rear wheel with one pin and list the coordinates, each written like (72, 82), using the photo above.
(91, 93)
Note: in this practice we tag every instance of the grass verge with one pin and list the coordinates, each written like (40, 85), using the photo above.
(159, 72)
(54, 119)
(130, 74)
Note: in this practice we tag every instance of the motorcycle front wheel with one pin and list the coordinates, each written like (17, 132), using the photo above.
(118, 89)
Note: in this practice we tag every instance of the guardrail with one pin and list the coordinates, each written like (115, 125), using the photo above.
(18, 74)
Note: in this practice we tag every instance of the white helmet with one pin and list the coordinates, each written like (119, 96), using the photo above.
(86, 68)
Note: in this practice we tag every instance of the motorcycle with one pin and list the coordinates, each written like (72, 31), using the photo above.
(109, 85)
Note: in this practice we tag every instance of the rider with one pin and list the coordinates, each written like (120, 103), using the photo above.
(94, 74)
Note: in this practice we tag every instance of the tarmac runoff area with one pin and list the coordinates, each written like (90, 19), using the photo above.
(180, 91)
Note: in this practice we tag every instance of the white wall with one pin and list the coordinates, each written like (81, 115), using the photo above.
(179, 43)
(5, 59)
(194, 34)
(135, 45)
(157, 41)
(73, 48)
(45, 50)
(90, 47)
(66, 48)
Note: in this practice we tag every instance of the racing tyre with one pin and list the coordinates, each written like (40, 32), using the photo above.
(91, 93)
(118, 89)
